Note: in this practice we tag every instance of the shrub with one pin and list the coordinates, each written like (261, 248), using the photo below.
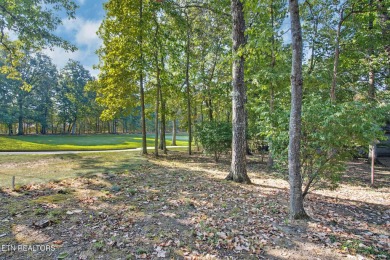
(215, 137)
(330, 135)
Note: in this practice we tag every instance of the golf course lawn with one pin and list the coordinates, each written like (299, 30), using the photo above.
(79, 142)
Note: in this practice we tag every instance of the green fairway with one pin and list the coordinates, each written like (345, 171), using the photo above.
(79, 143)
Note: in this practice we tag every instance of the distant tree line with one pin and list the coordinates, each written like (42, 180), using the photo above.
(37, 98)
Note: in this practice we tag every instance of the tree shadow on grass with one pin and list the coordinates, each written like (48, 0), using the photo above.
(97, 163)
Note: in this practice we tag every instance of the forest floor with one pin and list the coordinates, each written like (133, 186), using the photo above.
(180, 207)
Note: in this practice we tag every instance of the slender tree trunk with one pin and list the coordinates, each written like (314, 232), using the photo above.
(209, 104)
(294, 168)
(10, 132)
(209, 101)
(270, 161)
(371, 73)
(163, 145)
(157, 106)
(371, 93)
(195, 116)
(44, 123)
(141, 86)
(313, 47)
(174, 130)
(247, 148)
(20, 118)
(74, 127)
(336, 59)
(188, 86)
(238, 166)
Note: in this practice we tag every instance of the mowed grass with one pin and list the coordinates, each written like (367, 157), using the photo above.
(79, 143)
(32, 169)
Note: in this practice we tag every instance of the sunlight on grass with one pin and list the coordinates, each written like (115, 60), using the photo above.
(77, 143)
(30, 169)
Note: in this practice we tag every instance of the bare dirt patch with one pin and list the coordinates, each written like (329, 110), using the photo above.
(180, 207)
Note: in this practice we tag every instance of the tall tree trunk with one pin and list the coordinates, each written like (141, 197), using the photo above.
(163, 145)
(114, 125)
(371, 90)
(294, 168)
(174, 130)
(270, 161)
(247, 148)
(10, 132)
(141, 86)
(195, 117)
(74, 127)
(188, 86)
(209, 101)
(238, 166)
(44, 123)
(371, 73)
(20, 118)
(157, 106)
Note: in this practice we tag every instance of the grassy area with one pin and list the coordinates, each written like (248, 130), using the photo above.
(78, 143)
(30, 169)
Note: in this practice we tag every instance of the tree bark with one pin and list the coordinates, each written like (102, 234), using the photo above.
(294, 168)
(371, 72)
(20, 118)
(163, 124)
(188, 87)
(238, 171)
(44, 123)
(157, 106)
(74, 127)
(174, 130)
(270, 161)
(163, 144)
(9, 129)
(141, 86)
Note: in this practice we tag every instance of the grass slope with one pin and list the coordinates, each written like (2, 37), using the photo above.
(77, 143)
